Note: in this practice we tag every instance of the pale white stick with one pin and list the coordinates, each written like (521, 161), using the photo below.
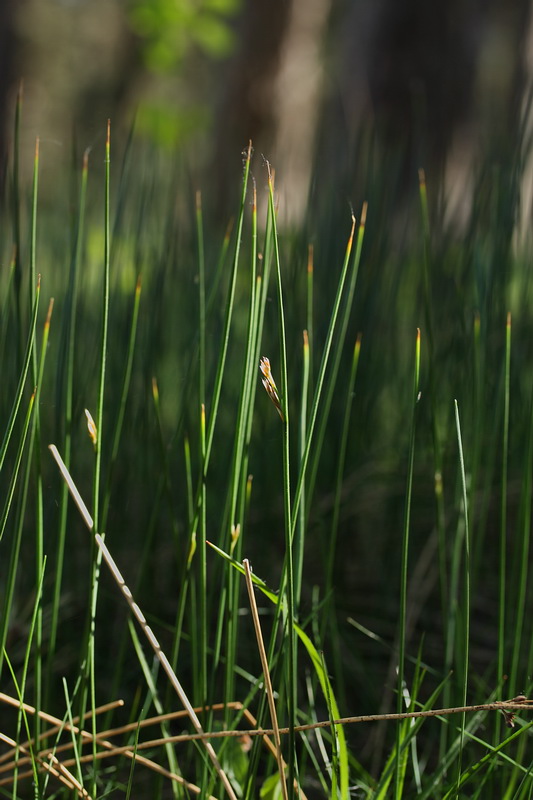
(141, 619)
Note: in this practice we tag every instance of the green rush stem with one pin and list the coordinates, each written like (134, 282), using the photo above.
(332, 542)
(262, 291)
(310, 316)
(337, 355)
(405, 563)
(323, 367)
(117, 428)
(21, 688)
(22, 505)
(68, 406)
(523, 558)
(163, 450)
(202, 576)
(188, 478)
(98, 451)
(288, 561)
(225, 341)
(13, 482)
(467, 774)
(446, 600)
(466, 605)
(16, 210)
(103, 341)
(158, 705)
(35, 437)
(9, 588)
(228, 315)
(33, 234)
(70, 720)
(219, 268)
(201, 297)
(238, 475)
(5, 311)
(299, 534)
(23, 376)
(503, 509)
(437, 454)
(478, 428)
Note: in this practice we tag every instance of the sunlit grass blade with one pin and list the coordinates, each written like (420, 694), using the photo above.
(118, 425)
(471, 771)
(15, 471)
(236, 495)
(409, 733)
(228, 314)
(465, 605)
(22, 379)
(16, 544)
(75, 747)
(314, 447)
(316, 661)
(165, 730)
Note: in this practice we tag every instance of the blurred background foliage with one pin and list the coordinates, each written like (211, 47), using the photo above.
(439, 86)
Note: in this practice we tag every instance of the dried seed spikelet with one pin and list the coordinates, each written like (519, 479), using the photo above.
(270, 385)
(91, 427)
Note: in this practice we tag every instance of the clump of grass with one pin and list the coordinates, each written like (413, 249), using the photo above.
(394, 539)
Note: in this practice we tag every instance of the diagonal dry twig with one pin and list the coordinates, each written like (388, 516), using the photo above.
(9, 760)
(141, 619)
(60, 769)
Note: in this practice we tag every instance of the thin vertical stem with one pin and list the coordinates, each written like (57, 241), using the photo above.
(202, 567)
(288, 563)
(201, 297)
(104, 336)
(299, 534)
(466, 603)
(503, 503)
(405, 562)
(68, 404)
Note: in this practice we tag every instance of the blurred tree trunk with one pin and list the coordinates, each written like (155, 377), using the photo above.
(417, 84)
(247, 110)
(298, 100)
(526, 196)
(491, 127)
(274, 95)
